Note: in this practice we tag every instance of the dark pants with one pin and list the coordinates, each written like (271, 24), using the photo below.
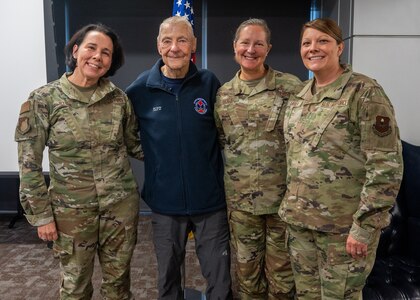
(211, 234)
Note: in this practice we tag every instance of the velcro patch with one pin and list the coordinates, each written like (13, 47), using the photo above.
(26, 106)
(382, 126)
(23, 125)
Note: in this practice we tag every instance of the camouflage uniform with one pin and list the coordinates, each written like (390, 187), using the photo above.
(344, 171)
(92, 195)
(250, 123)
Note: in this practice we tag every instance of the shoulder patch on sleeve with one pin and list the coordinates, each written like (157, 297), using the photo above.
(379, 130)
(23, 125)
(26, 126)
(26, 106)
(382, 126)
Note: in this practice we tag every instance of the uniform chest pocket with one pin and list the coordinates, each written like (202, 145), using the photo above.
(69, 122)
(106, 120)
(117, 121)
(314, 124)
(292, 122)
(326, 124)
(318, 128)
(235, 137)
(232, 124)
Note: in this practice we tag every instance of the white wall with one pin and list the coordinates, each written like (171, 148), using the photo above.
(22, 60)
(386, 43)
(386, 46)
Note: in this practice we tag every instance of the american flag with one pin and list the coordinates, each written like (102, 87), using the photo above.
(184, 8)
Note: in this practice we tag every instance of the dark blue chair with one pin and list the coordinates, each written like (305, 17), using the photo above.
(396, 273)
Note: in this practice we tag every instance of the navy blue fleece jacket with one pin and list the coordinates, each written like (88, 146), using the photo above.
(182, 159)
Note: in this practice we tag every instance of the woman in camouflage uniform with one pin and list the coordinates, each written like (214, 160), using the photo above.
(249, 115)
(344, 168)
(91, 205)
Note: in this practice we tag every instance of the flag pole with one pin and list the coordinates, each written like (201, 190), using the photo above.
(204, 34)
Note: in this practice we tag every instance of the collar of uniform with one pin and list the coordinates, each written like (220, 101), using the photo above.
(105, 86)
(332, 91)
(268, 82)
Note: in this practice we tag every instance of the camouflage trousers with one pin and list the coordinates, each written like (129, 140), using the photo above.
(322, 267)
(263, 269)
(111, 233)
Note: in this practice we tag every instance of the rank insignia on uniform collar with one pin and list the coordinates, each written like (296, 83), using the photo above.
(381, 126)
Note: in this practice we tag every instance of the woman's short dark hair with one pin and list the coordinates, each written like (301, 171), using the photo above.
(79, 36)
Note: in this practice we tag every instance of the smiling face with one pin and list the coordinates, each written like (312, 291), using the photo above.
(94, 58)
(320, 52)
(251, 49)
(175, 44)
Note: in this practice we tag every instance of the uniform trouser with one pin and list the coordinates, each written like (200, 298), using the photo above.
(211, 234)
(263, 266)
(111, 233)
(322, 267)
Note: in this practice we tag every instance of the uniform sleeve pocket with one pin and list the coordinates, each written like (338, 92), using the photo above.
(64, 244)
(26, 127)
(379, 129)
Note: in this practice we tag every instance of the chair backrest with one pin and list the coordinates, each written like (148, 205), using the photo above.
(410, 192)
(402, 236)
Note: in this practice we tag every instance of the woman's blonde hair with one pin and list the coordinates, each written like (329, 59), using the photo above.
(257, 22)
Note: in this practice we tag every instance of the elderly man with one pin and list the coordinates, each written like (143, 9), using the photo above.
(183, 184)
